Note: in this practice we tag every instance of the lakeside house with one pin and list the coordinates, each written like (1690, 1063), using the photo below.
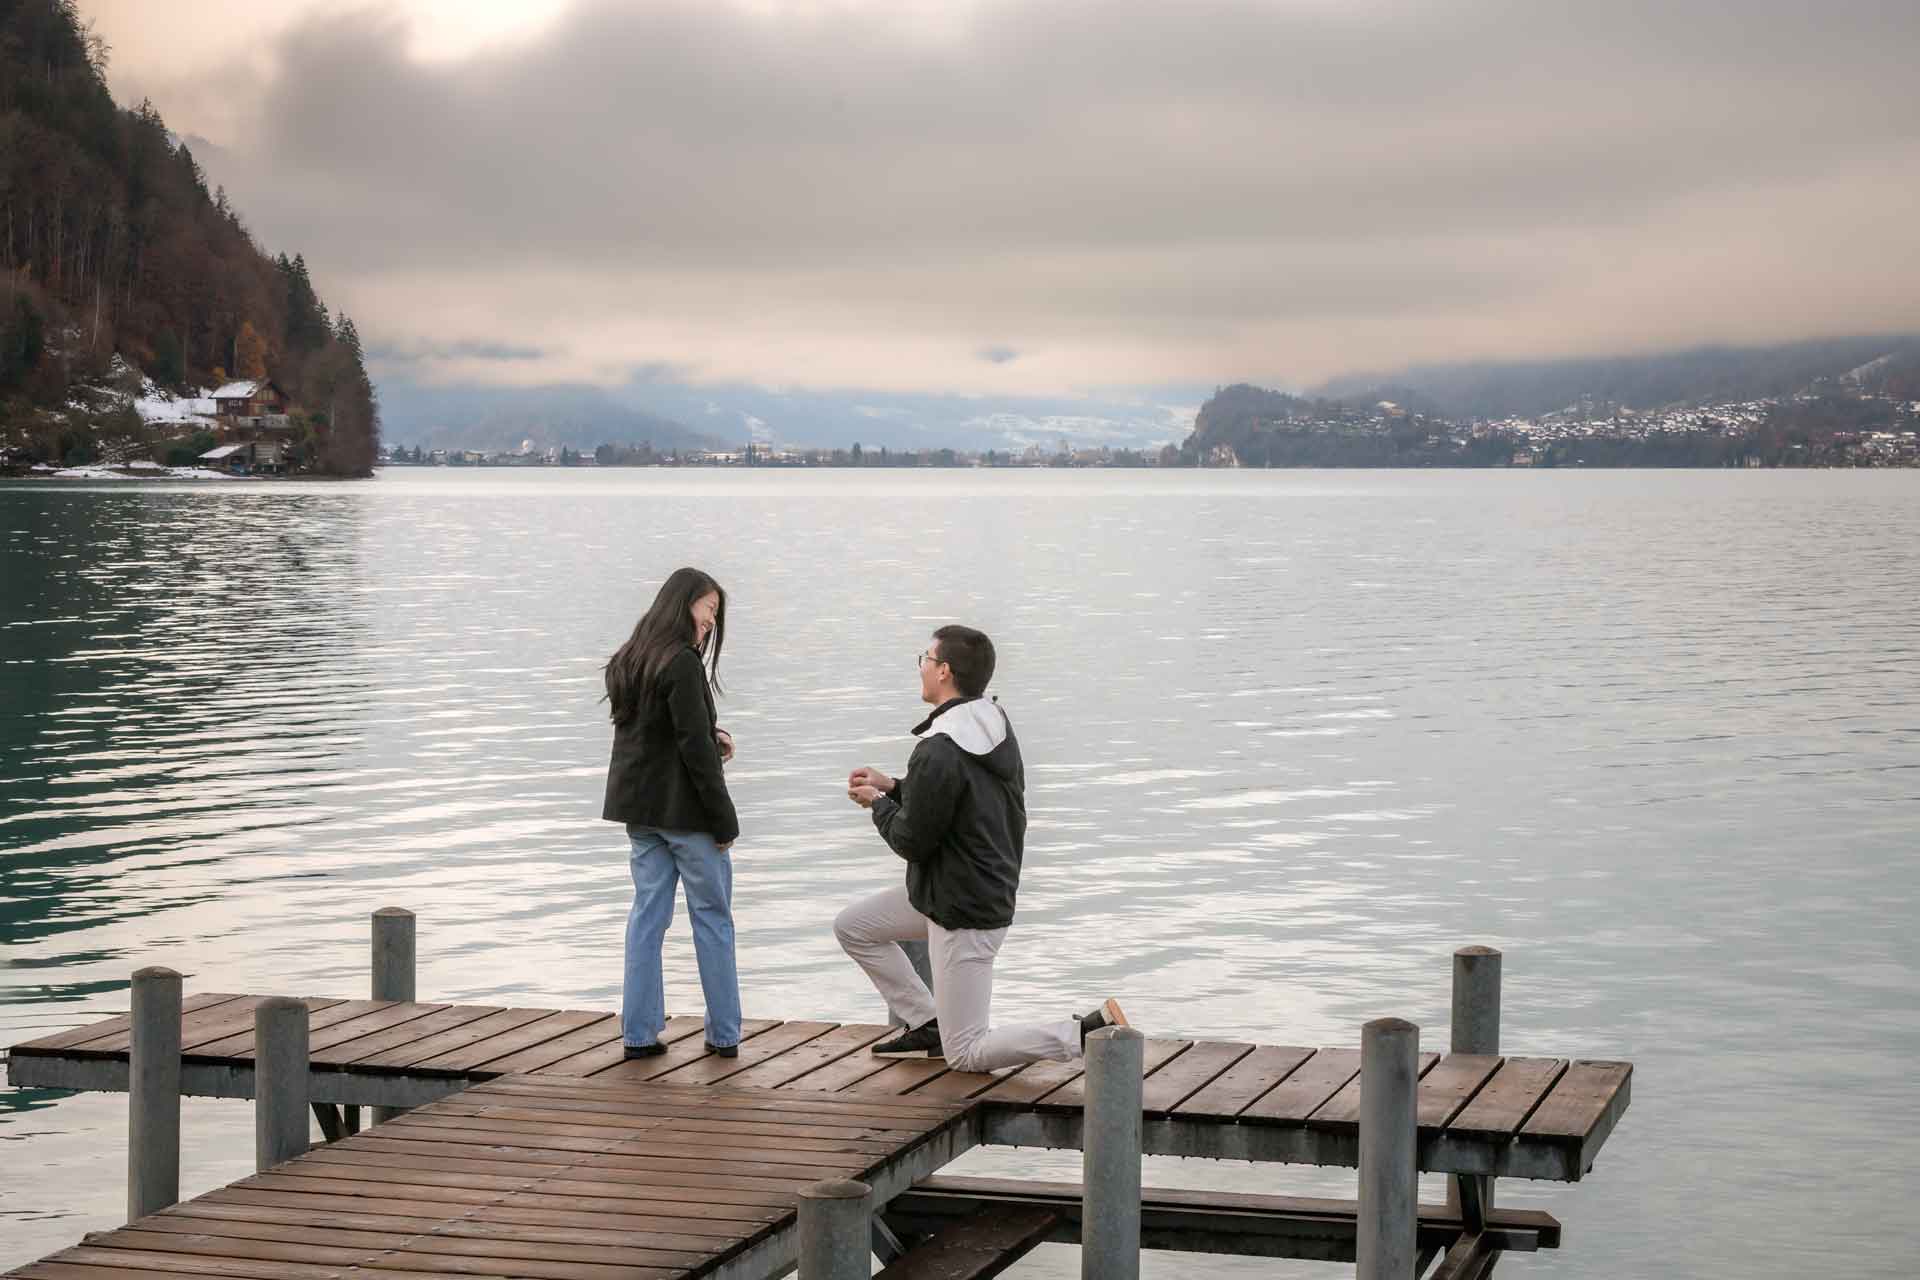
(255, 402)
(254, 420)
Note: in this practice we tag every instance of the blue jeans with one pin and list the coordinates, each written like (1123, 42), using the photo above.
(661, 860)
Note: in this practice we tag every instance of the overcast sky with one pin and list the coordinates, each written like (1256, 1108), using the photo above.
(1059, 196)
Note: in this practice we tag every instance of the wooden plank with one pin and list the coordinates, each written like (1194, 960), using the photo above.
(197, 1252)
(593, 1035)
(229, 1018)
(1311, 1084)
(901, 1075)
(226, 1015)
(743, 1117)
(442, 1238)
(663, 1140)
(1034, 1082)
(413, 1054)
(594, 1094)
(1452, 1083)
(601, 1184)
(1341, 1112)
(840, 1074)
(395, 1013)
(977, 1247)
(811, 1056)
(1229, 1221)
(702, 1120)
(961, 1085)
(149, 1261)
(753, 1051)
(695, 1233)
(481, 1054)
(202, 1245)
(1471, 1258)
(382, 1193)
(239, 1046)
(598, 1058)
(690, 1173)
(681, 1162)
(1595, 1097)
(1505, 1102)
(1577, 1102)
(375, 1043)
(216, 1206)
(77, 1037)
(1072, 1096)
(1236, 1088)
(681, 1052)
(1189, 1073)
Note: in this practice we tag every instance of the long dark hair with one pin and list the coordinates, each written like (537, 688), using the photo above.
(662, 632)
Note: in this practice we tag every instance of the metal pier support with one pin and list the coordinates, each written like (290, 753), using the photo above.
(280, 1082)
(1476, 1029)
(1110, 1160)
(834, 1239)
(393, 968)
(153, 1089)
(1389, 1178)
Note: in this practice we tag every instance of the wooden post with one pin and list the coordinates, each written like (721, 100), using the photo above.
(1476, 1029)
(1389, 1180)
(393, 968)
(1110, 1156)
(280, 1086)
(153, 1093)
(833, 1230)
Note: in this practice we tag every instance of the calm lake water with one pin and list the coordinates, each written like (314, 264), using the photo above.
(1292, 737)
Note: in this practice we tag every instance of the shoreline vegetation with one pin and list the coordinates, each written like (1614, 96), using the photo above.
(140, 320)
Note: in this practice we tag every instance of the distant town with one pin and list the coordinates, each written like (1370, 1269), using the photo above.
(1283, 431)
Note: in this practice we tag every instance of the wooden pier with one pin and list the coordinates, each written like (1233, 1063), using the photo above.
(542, 1176)
(521, 1142)
(1524, 1117)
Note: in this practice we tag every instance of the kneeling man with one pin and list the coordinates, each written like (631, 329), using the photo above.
(958, 816)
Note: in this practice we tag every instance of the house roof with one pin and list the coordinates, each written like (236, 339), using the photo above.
(224, 451)
(244, 390)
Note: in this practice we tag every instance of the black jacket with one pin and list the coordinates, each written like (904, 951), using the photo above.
(665, 770)
(959, 816)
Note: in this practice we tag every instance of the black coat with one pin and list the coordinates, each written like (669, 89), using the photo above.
(959, 816)
(665, 770)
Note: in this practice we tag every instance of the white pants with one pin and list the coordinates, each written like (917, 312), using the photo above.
(871, 930)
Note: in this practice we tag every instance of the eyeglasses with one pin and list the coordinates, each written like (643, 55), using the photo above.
(922, 659)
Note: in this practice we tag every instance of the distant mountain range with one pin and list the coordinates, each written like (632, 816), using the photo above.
(502, 418)
(673, 415)
(1703, 375)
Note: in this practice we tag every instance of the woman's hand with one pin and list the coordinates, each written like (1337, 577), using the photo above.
(723, 740)
(864, 796)
(868, 776)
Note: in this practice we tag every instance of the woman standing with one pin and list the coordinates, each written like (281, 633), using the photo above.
(665, 784)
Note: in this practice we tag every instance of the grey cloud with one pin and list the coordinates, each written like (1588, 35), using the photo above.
(1090, 167)
(419, 352)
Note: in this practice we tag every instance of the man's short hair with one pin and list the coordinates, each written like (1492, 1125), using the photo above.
(969, 654)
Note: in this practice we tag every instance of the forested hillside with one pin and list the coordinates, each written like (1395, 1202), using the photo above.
(112, 244)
